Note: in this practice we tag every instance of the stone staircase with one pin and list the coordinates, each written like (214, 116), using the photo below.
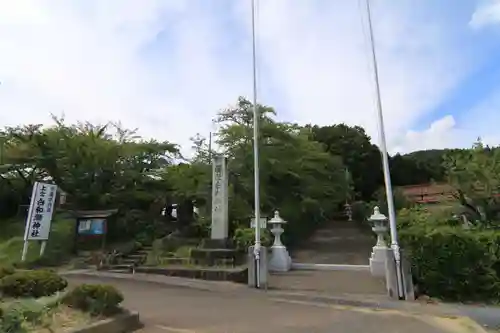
(342, 249)
(126, 263)
(338, 242)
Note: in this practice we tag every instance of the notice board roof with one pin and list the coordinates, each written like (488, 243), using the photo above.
(94, 213)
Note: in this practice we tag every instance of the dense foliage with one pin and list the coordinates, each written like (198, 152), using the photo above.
(307, 172)
(455, 264)
(456, 252)
(245, 237)
(475, 174)
(96, 299)
(32, 284)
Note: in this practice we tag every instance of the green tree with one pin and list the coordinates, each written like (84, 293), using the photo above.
(297, 175)
(96, 169)
(475, 174)
(361, 157)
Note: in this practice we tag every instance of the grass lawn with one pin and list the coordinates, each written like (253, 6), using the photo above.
(60, 319)
(59, 244)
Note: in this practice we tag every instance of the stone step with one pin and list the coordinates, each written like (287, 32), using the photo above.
(122, 266)
(235, 274)
(120, 271)
(328, 282)
(339, 258)
(214, 257)
(344, 232)
(138, 255)
(130, 261)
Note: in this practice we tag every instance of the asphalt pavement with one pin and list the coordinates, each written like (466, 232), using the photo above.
(174, 308)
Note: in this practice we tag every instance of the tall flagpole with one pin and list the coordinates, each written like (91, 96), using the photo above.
(256, 154)
(385, 160)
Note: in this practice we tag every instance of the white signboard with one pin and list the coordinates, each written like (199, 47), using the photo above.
(263, 222)
(43, 199)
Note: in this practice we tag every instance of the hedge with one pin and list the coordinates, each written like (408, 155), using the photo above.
(452, 263)
(98, 299)
(32, 284)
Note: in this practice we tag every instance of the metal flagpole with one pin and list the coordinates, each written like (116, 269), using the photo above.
(256, 154)
(385, 160)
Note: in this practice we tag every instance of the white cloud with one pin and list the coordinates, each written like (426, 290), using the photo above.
(440, 134)
(447, 132)
(319, 56)
(85, 59)
(168, 66)
(488, 12)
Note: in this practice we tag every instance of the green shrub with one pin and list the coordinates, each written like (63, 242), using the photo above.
(6, 270)
(12, 320)
(245, 237)
(452, 263)
(96, 299)
(32, 284)
(200, 228)
(421, 215)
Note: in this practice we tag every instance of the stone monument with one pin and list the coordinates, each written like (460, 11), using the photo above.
(220, 217)
(217, 250)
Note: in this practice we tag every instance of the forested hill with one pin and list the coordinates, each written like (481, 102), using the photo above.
(419, 167)
(363, 160)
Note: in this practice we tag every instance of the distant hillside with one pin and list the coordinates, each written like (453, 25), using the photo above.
(428, 193)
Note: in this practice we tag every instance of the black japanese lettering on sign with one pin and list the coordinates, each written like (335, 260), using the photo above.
(51, 199)
(39, 210)
(218, 176)
(43, 191)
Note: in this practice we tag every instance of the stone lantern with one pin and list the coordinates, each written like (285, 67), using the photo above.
(348, 211)
(379, 226)
(280, 259)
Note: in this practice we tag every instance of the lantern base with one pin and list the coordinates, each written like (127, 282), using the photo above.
(377, 261)
(280, 259)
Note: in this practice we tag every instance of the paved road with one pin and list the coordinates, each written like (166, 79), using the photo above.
(166, 308)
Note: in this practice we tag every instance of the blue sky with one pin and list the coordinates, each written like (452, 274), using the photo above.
(167, 66)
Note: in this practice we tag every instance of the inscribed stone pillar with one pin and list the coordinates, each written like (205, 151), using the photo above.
(220, 218)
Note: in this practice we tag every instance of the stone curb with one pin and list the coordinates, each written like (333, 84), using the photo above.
(122, 323)
(167, 281)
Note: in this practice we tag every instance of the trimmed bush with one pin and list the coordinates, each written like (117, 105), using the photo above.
(454, 264)
(6, 270)
(32, 284)
(97, 299)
